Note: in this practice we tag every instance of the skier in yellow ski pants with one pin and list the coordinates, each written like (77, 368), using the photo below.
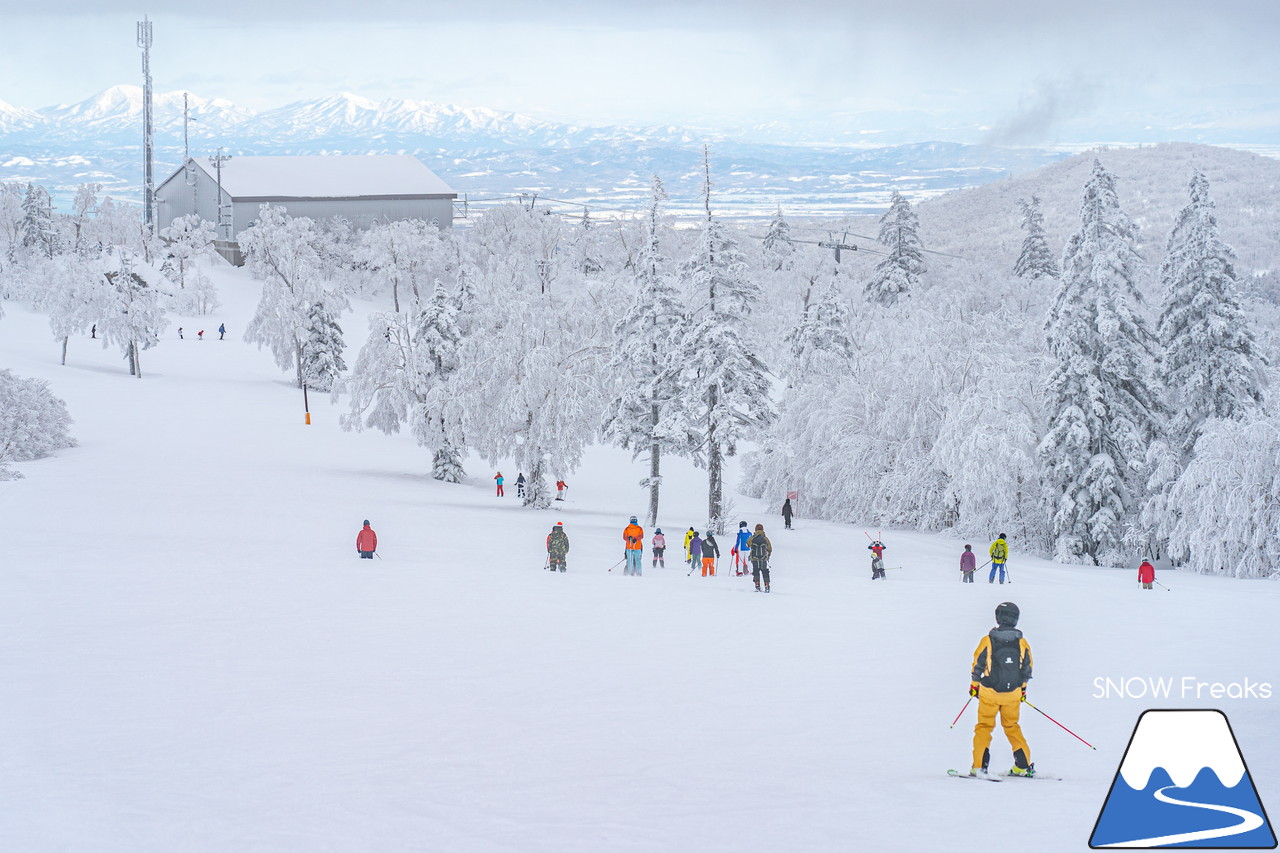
(1001, 670)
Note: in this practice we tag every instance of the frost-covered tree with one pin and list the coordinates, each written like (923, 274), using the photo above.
(820, 345)
(186, 240)
(280, 250)
(75, 294)
(1035, 262)
(403, 377)
(134, 316)
(33, 422)
(644, 337)
(1229, 520)
(11, 195)
(724, 389)
(777, 251)
(409, 255)
(1104, 410)
(1211, 363)
(899, 273)
(82, 211)
(322, 350)
(38, 231)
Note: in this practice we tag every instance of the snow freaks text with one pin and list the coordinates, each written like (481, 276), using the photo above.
(1186, 687)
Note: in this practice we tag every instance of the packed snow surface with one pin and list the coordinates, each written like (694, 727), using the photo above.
(195, 659)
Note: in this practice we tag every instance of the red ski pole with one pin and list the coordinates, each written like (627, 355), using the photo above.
(962, 710)
(1064, 728)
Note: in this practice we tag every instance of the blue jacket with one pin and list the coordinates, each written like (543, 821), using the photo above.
(743, 536)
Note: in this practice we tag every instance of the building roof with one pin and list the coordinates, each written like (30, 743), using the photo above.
(328, 176)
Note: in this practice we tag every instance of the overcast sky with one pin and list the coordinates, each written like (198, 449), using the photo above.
(1018, 66)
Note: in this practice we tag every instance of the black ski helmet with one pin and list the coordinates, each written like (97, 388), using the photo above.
(742, 524)
(1007, 614)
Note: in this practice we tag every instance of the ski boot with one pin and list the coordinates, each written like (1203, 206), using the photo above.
(1028, 771)
(757, 587)
(766, 587)
(977, 771)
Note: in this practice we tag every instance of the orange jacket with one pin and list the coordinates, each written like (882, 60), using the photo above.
(634, 537)
(366, 539)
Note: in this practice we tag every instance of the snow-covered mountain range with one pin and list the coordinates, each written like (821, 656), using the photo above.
(488, 152)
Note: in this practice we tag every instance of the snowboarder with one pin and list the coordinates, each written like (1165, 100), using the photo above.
(877, 558)
(968, 562)
(659, 546)
(222, 330)
(179, 333)
(633, 538)
(497, 478)
(366, 541)
(761, 551)
(520, 484)
(200, 335)
(688, 555)
(561, 485)
(740, 549)
(786, 513)
(1147, 575)
(710, 553)
(695, 551)
(1001, 670)
(999, 554)
(557, 547)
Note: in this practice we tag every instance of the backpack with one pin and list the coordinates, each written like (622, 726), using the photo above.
(999, 552)
(1004, 666)
(759, 547)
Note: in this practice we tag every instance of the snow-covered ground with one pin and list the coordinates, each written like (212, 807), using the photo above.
(194, 659)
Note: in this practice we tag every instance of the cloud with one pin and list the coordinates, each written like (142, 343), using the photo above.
(1042, 111)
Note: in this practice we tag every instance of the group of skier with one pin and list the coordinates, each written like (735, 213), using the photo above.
(500, 480)
(999, 552)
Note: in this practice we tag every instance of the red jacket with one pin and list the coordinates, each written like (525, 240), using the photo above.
(366, 539)
(1146, 573)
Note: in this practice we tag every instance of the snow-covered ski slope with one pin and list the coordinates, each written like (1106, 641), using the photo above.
(194, 659)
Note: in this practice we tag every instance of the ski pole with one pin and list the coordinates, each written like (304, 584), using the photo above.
(1007, 573)
(1064, 728)
(1162, 586)
(961, 714)
(619, 563)
(984, 565)
(379, 556)
(547, 564)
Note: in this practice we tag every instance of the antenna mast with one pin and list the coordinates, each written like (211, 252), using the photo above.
(148, 180)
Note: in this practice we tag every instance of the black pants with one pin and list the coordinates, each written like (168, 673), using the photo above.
(758, 569)
(786, 520)
(366, 555)
(657, 557)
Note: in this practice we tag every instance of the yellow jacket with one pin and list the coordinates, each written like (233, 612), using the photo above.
(1021, 668)
(999, 551)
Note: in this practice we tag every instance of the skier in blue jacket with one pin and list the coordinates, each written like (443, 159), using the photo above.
(740, 549)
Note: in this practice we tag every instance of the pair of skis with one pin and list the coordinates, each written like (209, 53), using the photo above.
(956, 774)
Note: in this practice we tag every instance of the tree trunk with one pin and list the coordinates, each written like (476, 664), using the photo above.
(137, 360)
(65, 341)
(715, 474)
(297, 359)
(655, 480)
(536, 493)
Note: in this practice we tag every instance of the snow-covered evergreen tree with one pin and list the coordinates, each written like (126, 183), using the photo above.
(1211, 363)
(1104, 408)
(899, 273)
(322, 350)
(777, 250)
(1035, 261)
(280, 250)
(644, 338)
(820, 345)
(404, 375)
(37, 229)
(33, 422)
(724, 389)
(135, 316)
(186, 239)
(82, 210)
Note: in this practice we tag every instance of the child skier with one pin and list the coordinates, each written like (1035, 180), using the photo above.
(710, 553)
(659, 546)
(366, 541)
(999, 554)
(498, 479)
(695, 551)
(761, 551)
(877, 558)
(557, 547)
(688, 555)
(968, 562)
(1147, 575)
(1001, 670)
(740, 549)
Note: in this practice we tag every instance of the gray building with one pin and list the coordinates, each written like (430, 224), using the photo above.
(361, 189)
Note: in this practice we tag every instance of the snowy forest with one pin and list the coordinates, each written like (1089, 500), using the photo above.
(1040, 359)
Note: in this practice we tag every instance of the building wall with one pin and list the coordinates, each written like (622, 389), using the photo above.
(175, 199)
(360, 212)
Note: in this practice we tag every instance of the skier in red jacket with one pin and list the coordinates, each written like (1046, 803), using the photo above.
(366, 541)
(1147, 575)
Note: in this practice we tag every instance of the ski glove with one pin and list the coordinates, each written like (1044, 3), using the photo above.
(1024, 693)
(973, 689)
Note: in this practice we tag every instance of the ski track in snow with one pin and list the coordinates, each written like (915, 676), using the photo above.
(194, 659)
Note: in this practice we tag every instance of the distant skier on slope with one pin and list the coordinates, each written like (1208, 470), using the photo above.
(557, 547)
(659, 546)
(688, 555)
(877, 549)
(366, 542)
(761, 551)
(499, 480)
(520, 485)
(561, 487)
(710, 553)
(695, 551)
(740, 548)
(633, 539)
(1147, 575)
(968, 562)
(1001, 670)
(786, 513)
(222, 331)
(999, 554)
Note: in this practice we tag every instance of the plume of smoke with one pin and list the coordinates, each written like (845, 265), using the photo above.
(1041, 111)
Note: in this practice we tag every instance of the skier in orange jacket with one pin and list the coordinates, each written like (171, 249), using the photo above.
(366, 541)
(633, 538)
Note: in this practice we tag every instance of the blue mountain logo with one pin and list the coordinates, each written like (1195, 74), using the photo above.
(1183, 783)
